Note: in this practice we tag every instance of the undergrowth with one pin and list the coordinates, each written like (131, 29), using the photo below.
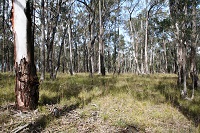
(149, 103)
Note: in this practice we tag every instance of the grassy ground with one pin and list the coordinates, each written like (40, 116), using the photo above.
(144, 103)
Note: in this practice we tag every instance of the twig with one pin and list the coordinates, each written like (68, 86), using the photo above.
(18, 129)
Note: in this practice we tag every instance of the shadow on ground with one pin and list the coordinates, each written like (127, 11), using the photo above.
(189, 108)
(71, 87)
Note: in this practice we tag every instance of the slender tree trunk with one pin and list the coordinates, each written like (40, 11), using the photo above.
(70, 47)
(48, 34)
(194, 39)
(76, 58)
(60, 52)
(3, 46)
(101, 45)
(132, 42)
(85, 64)
(165, 54)
(65, 57)
(141, 59)
(135, 47)
(51, 43)
(141, 48)
(43, 42)
(6, 46)
(75, 54)
(146, 45)
(91, 45)
(115, 50)
(184, 69)
(151, 57)
(26, 87)
(119, 63)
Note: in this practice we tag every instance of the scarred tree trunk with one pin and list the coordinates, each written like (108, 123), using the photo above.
(26, 86)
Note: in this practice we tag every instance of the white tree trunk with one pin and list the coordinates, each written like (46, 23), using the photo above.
(20, 30)
(26, 88)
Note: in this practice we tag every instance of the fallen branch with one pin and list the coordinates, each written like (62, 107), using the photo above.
(20, 128)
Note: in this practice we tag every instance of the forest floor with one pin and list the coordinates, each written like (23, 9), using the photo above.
(124, 103)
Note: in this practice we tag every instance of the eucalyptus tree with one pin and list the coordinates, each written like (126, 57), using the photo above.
(131, 8)
(69, 31)
(91, 7)
(101, 43)
(183, 14)
(193, 46)
(42, 16)
(6, 38)
(26, 81)
(3, 44)
(60, 52)
(106, 10)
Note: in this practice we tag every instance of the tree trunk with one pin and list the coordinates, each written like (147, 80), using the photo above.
(75, 54)
(115, 50)
(85, 55)
(91, 45)
(3, 46)
(194, 39)
(135, 46)
(43, 42)
(141, 48)
(70, 47)
(184, 69)
(101, 45)
(26, 86)
(165, 54)
(60, 52)
(146, 45)
(51, 43)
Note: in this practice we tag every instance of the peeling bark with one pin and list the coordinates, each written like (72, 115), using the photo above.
(26, 87)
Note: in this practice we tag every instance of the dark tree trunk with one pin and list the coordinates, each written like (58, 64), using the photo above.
(50, 45)
(194, 39)
(101, 43)
(60, 52)
(26, 87)
(71, 70)
(3, 49)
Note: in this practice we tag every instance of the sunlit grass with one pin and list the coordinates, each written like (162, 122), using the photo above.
(7, 88)
(146, 116)
(151, 103)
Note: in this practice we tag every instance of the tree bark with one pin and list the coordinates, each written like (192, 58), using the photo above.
(70, 47)
(141, 49)
(26, 86)
(51, 43)
(3, 46)
(60, 52)
(42, 77)
(146, 69)
(101, 45)
(165, 54)
(194, 39)
(135, 46)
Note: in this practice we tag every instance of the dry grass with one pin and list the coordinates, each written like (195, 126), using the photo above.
(144, 103)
